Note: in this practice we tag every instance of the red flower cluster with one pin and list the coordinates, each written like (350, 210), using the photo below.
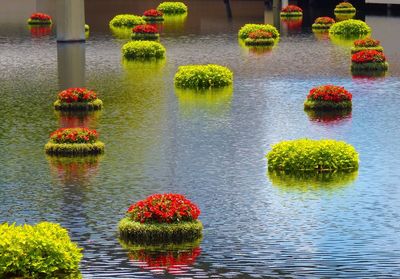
(329, 92)
(40, 16)
(145, 29)
(324, 20)
(74, 135)
(368, 56)
(72, 95)
(368, 42)
(164, 208)
(344, 5)
(153, 13)
(260, 34)
(291, 9)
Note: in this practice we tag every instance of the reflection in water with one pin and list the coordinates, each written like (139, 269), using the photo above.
(71, 64)
(174, 23)
(345, 41)
(368, 74)
(292, 24)
(328, 117)
(306, 181)
(121, 32)
(321, 35)
(258, 50)
(38, 31)
(228, 8)
(68, 119)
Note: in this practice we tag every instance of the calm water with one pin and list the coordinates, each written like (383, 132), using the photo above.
(208, 147)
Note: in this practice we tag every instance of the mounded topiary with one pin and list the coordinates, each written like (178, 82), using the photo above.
(145, 32)
(161, 218)
(366, 44)
(328, 97)
(323, 23)
(312, 155)
(87, 28)
(40, 19)
(291, 11)
(368, 60)
(127, 20)
(260, 38)
(249, 28)
(203, 76)
(153, 15)
(350, 27)
(143, 50)
(345, 8)
(78, 99)
(44, 250)
(170, 8)
(74, 142)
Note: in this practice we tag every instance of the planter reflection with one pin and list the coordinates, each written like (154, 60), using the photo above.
(321, 35)
(121, 32)
(345, 41)
(174, 23)
(328, 117)
(292, 24)
(258, 50)
(71, 119)
(38, 31)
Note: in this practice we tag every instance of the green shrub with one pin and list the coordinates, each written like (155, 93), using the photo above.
(249, 28)
(172, 8)
(143, 50)
(94, 105)
(366, 67)
(259, 42)
(312, 155)
(126, 20)
(203, 76)
(72, 149)
(41, 251)
(358, 49)
(350, 27)
(145, 37)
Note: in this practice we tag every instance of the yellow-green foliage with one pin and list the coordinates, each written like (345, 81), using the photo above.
(143, 50)
(41, 251)
(172, 8)
(74, 149)
(126, 20)
(312, 155)
(248, 28)
(350, 27)
(203, 76)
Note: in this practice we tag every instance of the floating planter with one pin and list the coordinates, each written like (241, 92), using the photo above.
(291, 11)
(344, 8)
(162, 218)
(143, 50)
(145, 32)
(323, 23)
(74, 141)
(126, 21)
(78, 99)
(328, 97)
(350, 27)
(260, 38)
(87, 28)
(40, 251)
(312, 155)
(170, 8)
(39, 19)
(153, 16)
(245, 31)
(368, 61)
(203, 76)
(366, 44)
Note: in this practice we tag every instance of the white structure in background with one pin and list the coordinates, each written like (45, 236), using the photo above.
(70, 20)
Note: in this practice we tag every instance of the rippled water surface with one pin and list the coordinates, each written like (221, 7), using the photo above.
(209, 147)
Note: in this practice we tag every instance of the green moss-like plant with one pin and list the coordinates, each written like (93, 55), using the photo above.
(73, 149)
(366, 67)
(259, 42)
(312, 155)
(169, 8)
(127, 20)
(39, 22)
(249, 28)
(203, 76)
(94, 105)
(358, 49)
(145, 37)
(143, 50)
(350, 27)
(345, 8)
(41, 251)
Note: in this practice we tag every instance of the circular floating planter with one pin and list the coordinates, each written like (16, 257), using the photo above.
(44, 250)
(366, 44)
(249, 28)
(161, 218)
(145, 32)
(323, 23)
(328, 97)
(291, 11)
(39, 19)
(203, 76)
(368, 61)
(143, 50)
(350, 27)
(344, 8)
(170, 8)
(126, 21)
(78, 99)
(153, 16)
(312, 155)
(74, 142)
(260, 38)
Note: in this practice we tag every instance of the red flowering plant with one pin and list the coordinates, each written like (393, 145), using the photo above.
(323, 23)
(291, 11)
(39, 18)
(145, 32)
(260, 38)
(153, 15)
(368, 60)
(77, 98)
(74, 135)
(328, 97)
(366, 44)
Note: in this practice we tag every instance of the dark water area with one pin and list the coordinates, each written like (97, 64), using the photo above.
(209, 147)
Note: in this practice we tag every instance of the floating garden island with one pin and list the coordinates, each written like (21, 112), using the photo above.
(259, 38)
(77, 99)
(153, 16)
(44, 250)
(291, 11)
(161, 218)
(350, 28)
(345, 8)
(323, 23)
(74, 142)
(143, 50)
(145, 32)
(306, 155)
(39, 19)
(366, 44)
(126, 21)
(172, 8)
(368, 61)
(328, 97)
(261, 35)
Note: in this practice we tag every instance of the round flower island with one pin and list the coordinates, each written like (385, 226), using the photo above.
(126, 20)
(350, 28)
(40, 19)
(366, 44)
(328, 97)
(344, 8)
(153, 15)
(172, 8)
(162, 218)
(145, 32)
(77, 99)
(323, 23)
(369, 61)
(260, 38)
(143, 50)
(291, 11)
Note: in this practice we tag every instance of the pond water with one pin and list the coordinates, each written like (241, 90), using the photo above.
(209, 147)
